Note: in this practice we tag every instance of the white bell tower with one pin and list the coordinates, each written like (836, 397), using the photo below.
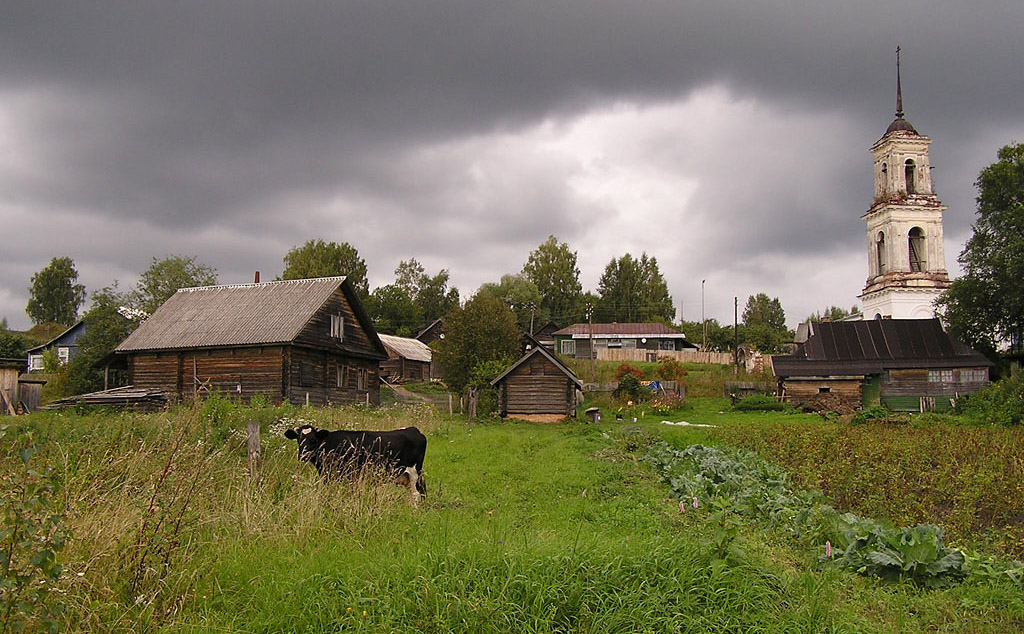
(906, 258)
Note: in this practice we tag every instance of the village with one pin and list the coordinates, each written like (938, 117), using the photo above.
(585, 318)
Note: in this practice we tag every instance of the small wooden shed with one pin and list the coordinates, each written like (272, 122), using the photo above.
(539, 386)
(9, 371)
(408, 359)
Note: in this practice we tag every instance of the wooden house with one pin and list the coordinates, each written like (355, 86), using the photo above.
(575, 340)
(903, 364)
(537, 385)
(303, 341)
(65, 344)
(408, 359)
(431, 335)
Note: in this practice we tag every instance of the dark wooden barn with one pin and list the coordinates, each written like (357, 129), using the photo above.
(903, 364)
(537, 385)
(408, 359)
(303, 341)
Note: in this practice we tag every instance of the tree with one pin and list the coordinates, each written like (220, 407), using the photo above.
(521, 296)
(13, 345)
(106, 326)
(54, 295)
(833, 313)
(483, 330)
(634, 290)
(720, 338)
(317, 258)
(393, 311)
(164, 277)
(552, 269)
(431, 294)
(984, 308)
(764, 311)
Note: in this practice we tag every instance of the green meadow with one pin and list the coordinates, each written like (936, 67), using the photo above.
(526, 528)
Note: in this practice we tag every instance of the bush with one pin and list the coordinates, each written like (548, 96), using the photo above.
(670, 370)
(667, 402)
(876, 412)
(625, 369)
(1001, 403)
(759, 403)
(629, 388)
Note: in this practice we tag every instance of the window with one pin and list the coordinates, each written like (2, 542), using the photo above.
(361, 379)
(880, 252)
(909, 173)
(615, 343)
(915, 244)
(341, 375)
(974, 375)
(940, 376)
(35, 362)
(338, 327)
(569, 347)
(629, 344)
(824, 390)
(63, 354)
(666, 344)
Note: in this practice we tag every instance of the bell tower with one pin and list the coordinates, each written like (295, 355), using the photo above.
(906, 258)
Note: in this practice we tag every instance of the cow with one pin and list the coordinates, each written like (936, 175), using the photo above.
(341, 452)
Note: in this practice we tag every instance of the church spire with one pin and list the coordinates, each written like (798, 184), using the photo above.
(899, 123)
(899, 88)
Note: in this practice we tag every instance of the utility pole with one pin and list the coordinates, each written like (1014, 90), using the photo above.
(703, 321)
(590, 318)
(736, 333)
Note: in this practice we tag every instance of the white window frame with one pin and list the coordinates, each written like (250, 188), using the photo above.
(338, 327)
(568, 347)
(666, 344)
(629, 344)
(63, 354)
(35, 362)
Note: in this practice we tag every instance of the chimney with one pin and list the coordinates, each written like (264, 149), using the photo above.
(257, 278)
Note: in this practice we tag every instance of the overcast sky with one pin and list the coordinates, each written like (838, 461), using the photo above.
(730, 140)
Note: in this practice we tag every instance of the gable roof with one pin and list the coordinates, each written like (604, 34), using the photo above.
(550, 357)
(241, 315)
(412, 349)
(612, 330)
(73, 332)
(872, 346)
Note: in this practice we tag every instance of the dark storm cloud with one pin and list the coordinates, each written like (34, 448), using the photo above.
(234, 130)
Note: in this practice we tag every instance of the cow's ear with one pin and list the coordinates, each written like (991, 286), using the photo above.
(290, 434)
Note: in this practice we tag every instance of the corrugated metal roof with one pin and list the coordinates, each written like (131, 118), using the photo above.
(871, 346)
(604, 331)
(412, 349)
(238, 315)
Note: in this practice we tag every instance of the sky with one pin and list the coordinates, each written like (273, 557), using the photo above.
(729, 140)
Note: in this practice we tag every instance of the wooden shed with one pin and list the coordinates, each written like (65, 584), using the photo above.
(10, 369)
(303, 341)
(537, 385)
(903, 364)
(408, 359)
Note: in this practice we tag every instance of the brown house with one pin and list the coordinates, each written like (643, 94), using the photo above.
(408, 359)
(903, 364)
(537, 385)
(303, 341)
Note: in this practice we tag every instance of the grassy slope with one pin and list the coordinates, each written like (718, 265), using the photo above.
(507, 541)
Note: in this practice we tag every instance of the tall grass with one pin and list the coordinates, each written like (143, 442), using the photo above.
(532, 528)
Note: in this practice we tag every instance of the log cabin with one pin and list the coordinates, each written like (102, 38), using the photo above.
(537, 385)
(903, 364)
(307, 342)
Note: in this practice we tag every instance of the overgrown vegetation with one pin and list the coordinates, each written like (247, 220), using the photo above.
(1001, 403)
(531, 528)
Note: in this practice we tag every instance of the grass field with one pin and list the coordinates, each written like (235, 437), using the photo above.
(527, 528)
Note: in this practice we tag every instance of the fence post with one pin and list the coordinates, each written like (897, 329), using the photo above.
(253, 443)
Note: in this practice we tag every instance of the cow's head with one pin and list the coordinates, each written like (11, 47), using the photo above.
(310, 438)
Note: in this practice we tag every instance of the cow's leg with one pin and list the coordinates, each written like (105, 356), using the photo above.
(410, 476)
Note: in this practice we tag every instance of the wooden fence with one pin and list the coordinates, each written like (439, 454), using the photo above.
(683, 356)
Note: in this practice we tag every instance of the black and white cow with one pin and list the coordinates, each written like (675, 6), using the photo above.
(345, 452)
